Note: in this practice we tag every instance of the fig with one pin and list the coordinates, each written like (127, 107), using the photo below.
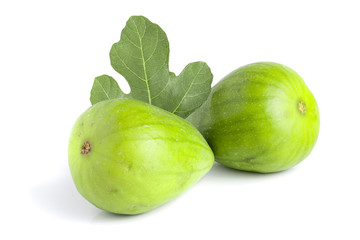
(260, 118)
(128, 157)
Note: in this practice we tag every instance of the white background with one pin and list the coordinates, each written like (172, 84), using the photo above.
(50, 52)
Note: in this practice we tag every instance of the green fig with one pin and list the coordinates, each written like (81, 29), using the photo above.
(128, 157)
(260, 118)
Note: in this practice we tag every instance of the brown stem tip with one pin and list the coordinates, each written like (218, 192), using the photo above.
(302, 107)
(86, 148)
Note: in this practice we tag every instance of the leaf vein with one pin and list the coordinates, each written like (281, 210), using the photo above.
(143, 61)
(182, 99)
(104, 90)
(156, 45)
(128, 68)
(130, 41)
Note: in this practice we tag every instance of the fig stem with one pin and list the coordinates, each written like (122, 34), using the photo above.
(86, 148)
(302, 107)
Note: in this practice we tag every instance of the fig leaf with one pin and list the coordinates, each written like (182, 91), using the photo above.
(187, 91)
(142, 58)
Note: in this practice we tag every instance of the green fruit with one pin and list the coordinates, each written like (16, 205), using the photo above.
(260, 118)
(129, 157)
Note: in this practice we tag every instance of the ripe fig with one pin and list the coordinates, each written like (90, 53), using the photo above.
(260, 118)
(128, 157)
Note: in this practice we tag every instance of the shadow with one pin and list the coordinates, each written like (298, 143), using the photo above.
(220, 172)
(106, 217)
(59, 197)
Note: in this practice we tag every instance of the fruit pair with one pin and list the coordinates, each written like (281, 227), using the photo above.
(129, 157)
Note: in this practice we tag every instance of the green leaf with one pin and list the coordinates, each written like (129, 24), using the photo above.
(105, 88)
(186, 92)
(142, 58)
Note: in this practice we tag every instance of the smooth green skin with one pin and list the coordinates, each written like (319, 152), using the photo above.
(141, 156)
(252, 122)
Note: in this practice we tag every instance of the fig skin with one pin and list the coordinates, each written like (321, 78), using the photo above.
(259, 118)
(128, 157)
